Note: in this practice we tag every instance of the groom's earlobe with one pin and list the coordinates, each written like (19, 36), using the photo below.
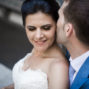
(68, 29)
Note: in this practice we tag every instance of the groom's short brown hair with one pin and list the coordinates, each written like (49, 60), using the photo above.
(77, 13)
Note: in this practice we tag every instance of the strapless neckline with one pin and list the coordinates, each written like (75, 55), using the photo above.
(30, 69)
(29, 79)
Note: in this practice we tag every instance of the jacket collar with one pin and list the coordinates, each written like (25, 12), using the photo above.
(82, 75)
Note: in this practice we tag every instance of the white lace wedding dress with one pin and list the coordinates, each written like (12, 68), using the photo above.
(29, 79)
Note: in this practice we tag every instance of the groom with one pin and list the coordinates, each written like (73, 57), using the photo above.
(73, 33)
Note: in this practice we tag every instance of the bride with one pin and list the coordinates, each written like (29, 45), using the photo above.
(46, 66)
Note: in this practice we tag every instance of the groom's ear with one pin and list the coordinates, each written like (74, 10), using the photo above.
(68, 29)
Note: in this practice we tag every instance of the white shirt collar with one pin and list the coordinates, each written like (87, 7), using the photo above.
(78, 62)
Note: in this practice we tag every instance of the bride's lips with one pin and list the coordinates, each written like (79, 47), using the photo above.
(40, 42)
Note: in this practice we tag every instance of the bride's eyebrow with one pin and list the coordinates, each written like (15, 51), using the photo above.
(46, 25)
(30, 26)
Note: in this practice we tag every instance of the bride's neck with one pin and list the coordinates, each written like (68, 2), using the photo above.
(45, 53)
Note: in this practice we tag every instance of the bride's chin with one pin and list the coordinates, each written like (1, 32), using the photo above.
(41, 50)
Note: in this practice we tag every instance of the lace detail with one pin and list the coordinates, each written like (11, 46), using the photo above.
(29, 79)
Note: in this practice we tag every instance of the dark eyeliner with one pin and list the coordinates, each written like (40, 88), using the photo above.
(46, 27)
(31, 28)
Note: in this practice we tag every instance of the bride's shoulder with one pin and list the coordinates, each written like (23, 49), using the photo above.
(57, 70)
(58, 65)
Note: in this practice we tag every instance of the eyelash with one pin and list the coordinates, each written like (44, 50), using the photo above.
(31, 29)
(44, 28)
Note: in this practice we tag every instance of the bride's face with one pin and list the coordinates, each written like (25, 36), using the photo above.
(40, 30)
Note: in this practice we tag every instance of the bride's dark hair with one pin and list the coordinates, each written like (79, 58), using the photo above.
(45, 6)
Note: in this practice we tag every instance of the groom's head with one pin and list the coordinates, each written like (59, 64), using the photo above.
(73, 21)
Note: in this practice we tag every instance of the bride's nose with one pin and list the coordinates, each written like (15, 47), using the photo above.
(39, 34)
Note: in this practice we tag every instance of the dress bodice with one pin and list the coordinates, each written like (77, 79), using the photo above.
(29, 79)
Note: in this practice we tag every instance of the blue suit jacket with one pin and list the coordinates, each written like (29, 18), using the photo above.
(81, 80)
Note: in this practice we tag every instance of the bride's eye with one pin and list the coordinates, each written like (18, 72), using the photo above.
(46, 27)
(31, 28)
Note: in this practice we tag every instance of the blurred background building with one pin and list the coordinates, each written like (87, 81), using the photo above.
(13, 41)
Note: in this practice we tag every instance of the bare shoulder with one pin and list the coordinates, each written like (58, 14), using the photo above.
(59, 67)
(56, 63)
(58, 74)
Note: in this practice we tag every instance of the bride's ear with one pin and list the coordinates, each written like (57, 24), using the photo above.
(68, 29)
